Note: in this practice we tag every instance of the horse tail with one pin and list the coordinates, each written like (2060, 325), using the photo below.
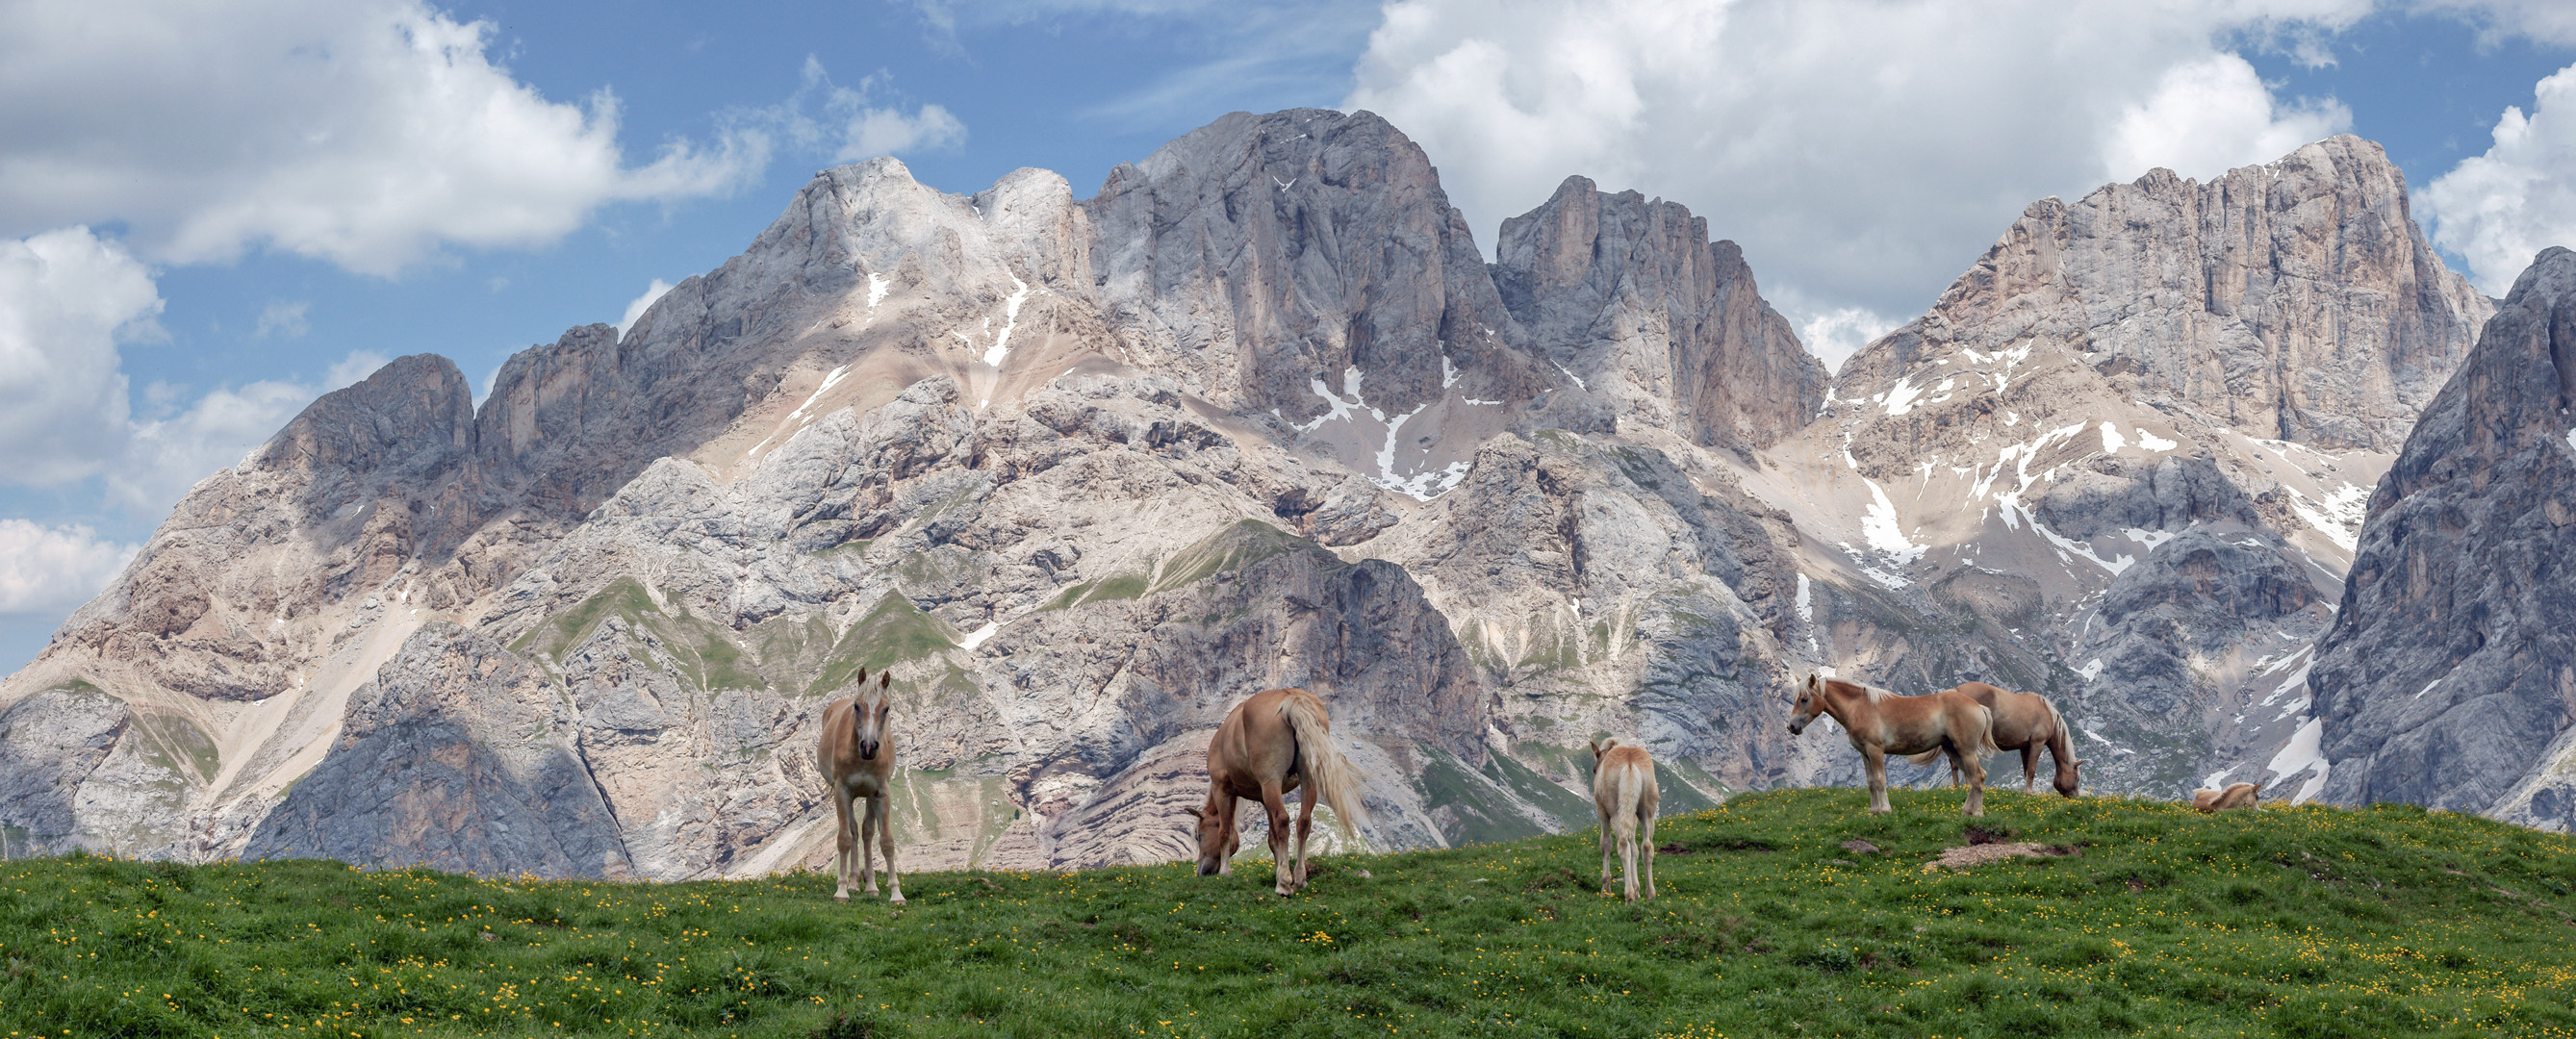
(1927, 757)
(1991, 747)
(1329, 777)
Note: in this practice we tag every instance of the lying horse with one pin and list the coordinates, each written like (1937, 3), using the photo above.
(1883, 723)
(1270, 744)
(2023, 722)
(1623, 792)
(856, 757)
(2237, 795)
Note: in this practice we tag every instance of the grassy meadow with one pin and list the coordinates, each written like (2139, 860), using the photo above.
(2306, 921)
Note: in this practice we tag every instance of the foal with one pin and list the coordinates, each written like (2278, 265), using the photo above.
(1883, 723)
(1623, 793)
(1270, 744)
(2237, 795)
(856, 757)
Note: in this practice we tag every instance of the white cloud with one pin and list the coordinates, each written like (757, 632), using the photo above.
(162, 458)
(2500, 209)
(2211, 115)
(47, 569)
(636, 307)
(1863, 152)
(348, 370)
(1834, 334)
(66, 299)
(282, 318)
(853, 125)
(365, 132)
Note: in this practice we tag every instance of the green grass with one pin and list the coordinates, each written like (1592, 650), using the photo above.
(2301, 922)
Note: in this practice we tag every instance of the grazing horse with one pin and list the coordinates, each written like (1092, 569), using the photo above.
(1883, 723)
(1623, 792)
(856, 757)
(2237, 795)
(2024, 722)
(1270, 744)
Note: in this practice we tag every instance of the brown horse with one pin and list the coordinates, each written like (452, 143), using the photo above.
(2024, 722)
(856, 757)
(2237, 795)
(1270, 744)
(1623, 792)
(1883, 723)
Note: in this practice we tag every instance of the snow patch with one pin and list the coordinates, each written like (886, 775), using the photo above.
(1569, 373)
(2153, 442)
(2211, 783)
(1448, 373)
(976, 638)
(877, 286)
(2091, 670)
(2111, 440)
(2150, 538)
(1010, 320)
(1880, 528)
(1900, 398)
(829, 380)
(2303, 752)
(2428, 687)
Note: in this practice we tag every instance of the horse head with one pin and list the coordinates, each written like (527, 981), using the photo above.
(1811, 702)
(2067, 782)
(1214, 844)
(868, 714)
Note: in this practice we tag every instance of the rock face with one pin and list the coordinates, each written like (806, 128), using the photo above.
(2449, 678)
(457, 757)
(1634, 298)
(1081, 474)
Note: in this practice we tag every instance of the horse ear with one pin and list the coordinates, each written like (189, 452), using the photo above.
(862, 679)
(885, 679)
(1596, 747)
(2079, 762)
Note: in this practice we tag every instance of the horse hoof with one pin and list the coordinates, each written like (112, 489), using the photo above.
(842, 897)
(896, 900)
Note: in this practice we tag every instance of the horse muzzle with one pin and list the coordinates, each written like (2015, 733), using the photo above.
(1797, 726)
(868, 751)
(1210, 869)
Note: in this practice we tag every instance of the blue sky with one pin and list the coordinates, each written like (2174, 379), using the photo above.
(242, 173)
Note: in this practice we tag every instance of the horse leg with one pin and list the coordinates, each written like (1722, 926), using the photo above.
(1646, 836)
(1305, 825)
(1874, 765)
(1975, 763)
(1233, 837)
(846, 836)
(867, 851)
(885, 837)
(1274, 803)
(2030, 768)
(1628, 854)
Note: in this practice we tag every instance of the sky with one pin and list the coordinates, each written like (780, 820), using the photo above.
(210, 214)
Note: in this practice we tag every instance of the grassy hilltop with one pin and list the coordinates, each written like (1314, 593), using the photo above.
(2285, 921)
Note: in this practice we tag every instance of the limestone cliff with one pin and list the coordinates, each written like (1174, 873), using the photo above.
(2449, 677)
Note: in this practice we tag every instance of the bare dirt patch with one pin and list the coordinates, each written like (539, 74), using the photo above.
(1973, 855)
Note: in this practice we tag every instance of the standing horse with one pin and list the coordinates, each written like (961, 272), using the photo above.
(1623, 792)
(2024, 722)
(856, 757)
(1883, 723)
(1270, 744)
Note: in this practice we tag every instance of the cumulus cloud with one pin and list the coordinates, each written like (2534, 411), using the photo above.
(365, 132)
(66, 299)
(853, 123)
(49, 569)
(635, 308)
(2500, 209)
(1862, 151)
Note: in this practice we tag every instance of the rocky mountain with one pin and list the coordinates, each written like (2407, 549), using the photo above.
(1082, 473)
(2449, 677)
(2123, 458)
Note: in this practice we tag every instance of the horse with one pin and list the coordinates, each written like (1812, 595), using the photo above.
(1883, 723)
(1623, 792)
(2237, 795)
(856, 757)
(2023, 722)
(1275, 741)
